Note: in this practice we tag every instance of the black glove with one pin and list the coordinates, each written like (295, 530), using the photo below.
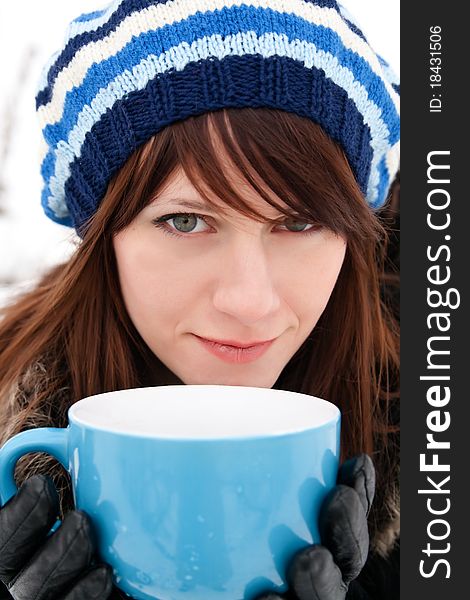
(35, 566)
(324, 572)
(60, 567)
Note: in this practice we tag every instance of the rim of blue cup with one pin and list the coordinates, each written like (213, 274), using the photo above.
(81, 413)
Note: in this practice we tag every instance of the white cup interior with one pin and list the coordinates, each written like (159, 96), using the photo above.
(203, 412)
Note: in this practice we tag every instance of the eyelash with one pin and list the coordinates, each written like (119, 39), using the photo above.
(161, 223)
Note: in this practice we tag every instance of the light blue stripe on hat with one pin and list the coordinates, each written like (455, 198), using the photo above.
(93, 16)
(381, 182)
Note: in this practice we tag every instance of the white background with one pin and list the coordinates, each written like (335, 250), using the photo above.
(30, 31)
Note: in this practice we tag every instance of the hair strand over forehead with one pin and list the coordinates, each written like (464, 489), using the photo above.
(285, 159)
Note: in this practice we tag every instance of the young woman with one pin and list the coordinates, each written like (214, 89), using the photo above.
(224, 165)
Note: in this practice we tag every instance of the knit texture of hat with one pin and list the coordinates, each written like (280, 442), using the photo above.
(127, 71)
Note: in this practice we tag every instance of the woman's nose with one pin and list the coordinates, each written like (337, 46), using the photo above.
(245, 287)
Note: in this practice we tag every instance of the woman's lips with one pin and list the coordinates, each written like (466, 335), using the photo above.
(235, 354)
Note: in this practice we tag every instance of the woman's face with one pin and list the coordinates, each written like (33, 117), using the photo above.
(219, 297)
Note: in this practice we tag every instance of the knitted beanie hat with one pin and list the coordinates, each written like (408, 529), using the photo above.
(127, 71)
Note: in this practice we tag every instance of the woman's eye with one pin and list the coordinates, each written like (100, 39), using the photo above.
(295, 225)
(188, 223)
(183, 222)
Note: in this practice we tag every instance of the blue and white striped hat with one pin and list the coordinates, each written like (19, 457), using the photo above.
(127, 71)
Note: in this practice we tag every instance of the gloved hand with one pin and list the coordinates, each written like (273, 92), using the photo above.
(35, 566)
(324, 572)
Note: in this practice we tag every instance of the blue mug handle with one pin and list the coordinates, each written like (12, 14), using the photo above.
(52, 440)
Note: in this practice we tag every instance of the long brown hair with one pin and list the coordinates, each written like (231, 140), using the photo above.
(72, 331)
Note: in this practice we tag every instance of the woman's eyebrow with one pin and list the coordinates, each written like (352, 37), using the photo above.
(184, 202)
(194, 204)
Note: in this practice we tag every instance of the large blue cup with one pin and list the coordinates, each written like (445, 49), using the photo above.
(196, 492)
